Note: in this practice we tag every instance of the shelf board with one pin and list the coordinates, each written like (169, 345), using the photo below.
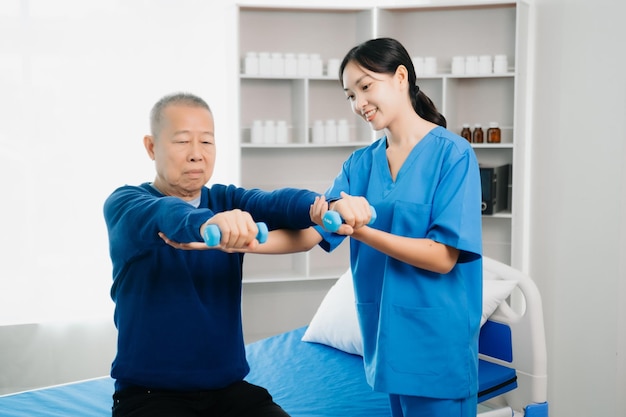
(440, 75)
(492, 145)
(288, 77)
(286, 279)
(304, 145)
(504, 214)
(320, 273)
(509, 74)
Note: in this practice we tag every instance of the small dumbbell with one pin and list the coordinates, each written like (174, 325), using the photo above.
(332, 219)
(212, 234)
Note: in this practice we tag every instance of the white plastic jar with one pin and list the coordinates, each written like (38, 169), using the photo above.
(251, 64)
(318, 132)
(430, 65)
(343, 131)
(418, 64)
(500, 64)
(291, 65)
(330, 131)
(256, 132)
(304, 65)
(269, 131)
(278, 64)
(458, 65)
(485, 66)
(332, 70)
(317, 65)
(281, 132)
(265, 63)
(471, 65)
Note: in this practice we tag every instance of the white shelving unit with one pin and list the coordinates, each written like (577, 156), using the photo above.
(298, 100)
(489, 28)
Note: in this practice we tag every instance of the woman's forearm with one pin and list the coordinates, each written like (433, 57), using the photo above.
(422, 253)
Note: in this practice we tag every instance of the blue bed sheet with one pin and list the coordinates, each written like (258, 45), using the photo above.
(82, 399)
(314, 380)
(306, 379)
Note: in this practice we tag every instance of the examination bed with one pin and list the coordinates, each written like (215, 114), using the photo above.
(323, 376)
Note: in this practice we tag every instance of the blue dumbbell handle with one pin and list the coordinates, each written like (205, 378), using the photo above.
(332, 219)
(212, 234)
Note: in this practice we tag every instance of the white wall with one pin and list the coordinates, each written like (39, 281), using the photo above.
(39, 355)
(77, 81)
(579, 202)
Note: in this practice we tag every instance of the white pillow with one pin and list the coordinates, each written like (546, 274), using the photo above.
(335, 323)
(495, 291)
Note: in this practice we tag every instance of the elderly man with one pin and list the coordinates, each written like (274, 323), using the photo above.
(178, 313)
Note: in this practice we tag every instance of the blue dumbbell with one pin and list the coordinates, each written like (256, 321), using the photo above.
(212, 234)
(332, 219)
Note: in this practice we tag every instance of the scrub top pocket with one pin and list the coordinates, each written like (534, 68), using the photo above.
(415, 340)
(410, 219)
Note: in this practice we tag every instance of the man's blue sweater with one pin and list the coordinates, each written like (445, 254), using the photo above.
(178, 313)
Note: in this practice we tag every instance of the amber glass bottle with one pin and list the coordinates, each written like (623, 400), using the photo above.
(478, 134)
(466, 132)
(493, 133)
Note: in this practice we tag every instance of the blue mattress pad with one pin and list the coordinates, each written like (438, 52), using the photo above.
(306, 379)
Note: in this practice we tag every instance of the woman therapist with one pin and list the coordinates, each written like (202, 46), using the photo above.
(418, 268)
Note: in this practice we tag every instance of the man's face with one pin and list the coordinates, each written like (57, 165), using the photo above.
(184, 151)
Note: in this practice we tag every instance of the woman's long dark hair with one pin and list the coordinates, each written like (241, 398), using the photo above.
(384, 56)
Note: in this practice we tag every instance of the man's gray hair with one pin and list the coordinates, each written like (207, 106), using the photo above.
(187, 99)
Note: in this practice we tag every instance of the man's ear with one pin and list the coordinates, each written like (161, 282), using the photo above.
(148, 143)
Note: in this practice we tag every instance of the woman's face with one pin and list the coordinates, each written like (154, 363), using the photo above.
(376, 97)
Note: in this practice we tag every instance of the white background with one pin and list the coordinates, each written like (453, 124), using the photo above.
(77, 80)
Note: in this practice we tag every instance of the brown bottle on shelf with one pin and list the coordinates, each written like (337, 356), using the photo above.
(493, 133)
(478, 134)
(466, 132)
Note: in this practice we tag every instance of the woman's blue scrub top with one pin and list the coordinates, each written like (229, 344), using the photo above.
(420, 329)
